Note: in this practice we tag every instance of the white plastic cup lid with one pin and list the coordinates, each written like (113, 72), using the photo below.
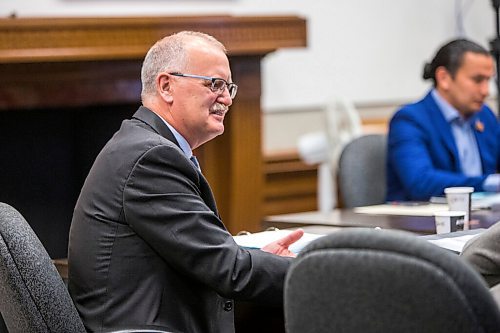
(459, 190)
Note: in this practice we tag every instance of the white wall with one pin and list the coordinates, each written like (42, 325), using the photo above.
(366, 50)
(369, 51)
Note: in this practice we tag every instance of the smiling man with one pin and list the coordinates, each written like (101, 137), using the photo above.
(147, 247)
(449, 138)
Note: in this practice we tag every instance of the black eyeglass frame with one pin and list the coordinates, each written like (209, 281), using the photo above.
(232, 88)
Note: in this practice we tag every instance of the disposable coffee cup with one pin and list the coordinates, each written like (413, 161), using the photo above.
(459, 199)
(449, 221)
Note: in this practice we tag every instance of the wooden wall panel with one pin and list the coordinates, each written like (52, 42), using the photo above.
(290, 186)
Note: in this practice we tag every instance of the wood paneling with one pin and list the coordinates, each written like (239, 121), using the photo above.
(24, 40)
(290, 185)
(69, 85)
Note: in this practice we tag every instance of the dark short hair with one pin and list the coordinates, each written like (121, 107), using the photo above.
(450, 56)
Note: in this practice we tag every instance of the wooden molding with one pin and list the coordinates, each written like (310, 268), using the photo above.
(25, 40)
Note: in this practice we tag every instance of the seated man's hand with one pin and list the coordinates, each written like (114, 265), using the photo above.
(280, 247)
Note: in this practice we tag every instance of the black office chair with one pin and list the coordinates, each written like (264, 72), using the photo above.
(33, 296)
(361, 171)
(365, 280)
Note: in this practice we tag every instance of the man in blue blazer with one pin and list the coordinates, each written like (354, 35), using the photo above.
(449, 138)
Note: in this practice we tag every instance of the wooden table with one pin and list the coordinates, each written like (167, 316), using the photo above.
(258, 318)
(341, 218)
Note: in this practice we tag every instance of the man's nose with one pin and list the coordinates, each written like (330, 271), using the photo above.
(225, 97)
(485, 88)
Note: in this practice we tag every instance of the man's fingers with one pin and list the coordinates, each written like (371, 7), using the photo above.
(291, 238)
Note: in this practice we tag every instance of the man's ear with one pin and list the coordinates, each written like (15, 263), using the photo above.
(163, 86)
(443, 78)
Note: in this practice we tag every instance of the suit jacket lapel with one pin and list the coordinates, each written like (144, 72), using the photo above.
(207, 194)
(156, 123)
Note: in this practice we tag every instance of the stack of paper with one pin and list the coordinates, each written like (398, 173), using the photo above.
(455, 244)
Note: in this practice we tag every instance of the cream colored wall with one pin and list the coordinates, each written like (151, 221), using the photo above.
(282, 128)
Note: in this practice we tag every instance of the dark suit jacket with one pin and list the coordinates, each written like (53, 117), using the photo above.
(483, 252)
(147, 246)
(422, 157)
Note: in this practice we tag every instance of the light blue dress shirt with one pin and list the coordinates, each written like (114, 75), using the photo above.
(465, 141)
(182, 142)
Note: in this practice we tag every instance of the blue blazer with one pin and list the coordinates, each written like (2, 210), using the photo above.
(422, 157)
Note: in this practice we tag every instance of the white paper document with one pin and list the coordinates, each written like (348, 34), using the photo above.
(402, 209)
(260, 239)
(485, 200)
(455, 244)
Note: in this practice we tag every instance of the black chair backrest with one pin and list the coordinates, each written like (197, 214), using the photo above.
(362, 171)
(33, 296)
(365, 280)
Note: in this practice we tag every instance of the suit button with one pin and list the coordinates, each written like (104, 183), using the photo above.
(228, 306)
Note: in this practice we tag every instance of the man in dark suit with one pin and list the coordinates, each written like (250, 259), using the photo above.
(449, 138)
(483, 253)
(147, 246)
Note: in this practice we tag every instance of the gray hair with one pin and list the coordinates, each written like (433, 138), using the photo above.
(169, 55)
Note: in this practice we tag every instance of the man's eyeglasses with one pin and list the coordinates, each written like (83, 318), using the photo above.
(218, 84)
